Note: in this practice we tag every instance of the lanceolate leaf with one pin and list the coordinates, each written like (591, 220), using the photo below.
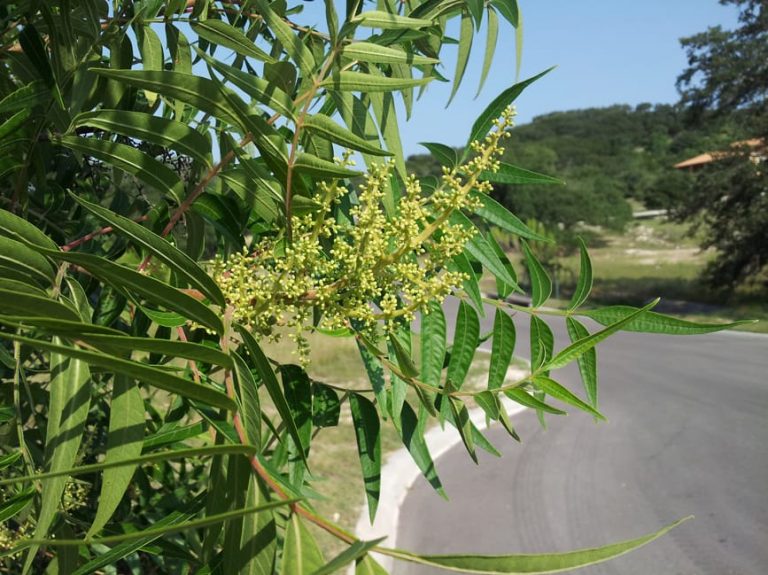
(490, 46)
(509, 174)
(413, 439)
(466, 35)
(317, 168)
(493, 212)
(70, 398)
(27, 97)
(575, 350)
(433, 344)
(532, 564)
(177, 260)
(250, 410)
(154, 129)
(484, 122)
(131, 161)
(446, 155)
(19, 229)
(389, 21)
(587, 361)
(199, 92)
(222, 34)
(26, 261)
(542, 342)
(541, 284)
(378, 54)
(126, 432)
(361, 82)
(247, 450)
(291, 42)
(16, 504)
(17, 303)
(551, 387)
(584, 285)
(524, 398)
(503, 346)
(269, 379)
(151, 375)
(301, 553)
(465, 342)
(123, 278)
(351, 553)
(257, 88)
(367, 432)
(652, 322)
(326, 127)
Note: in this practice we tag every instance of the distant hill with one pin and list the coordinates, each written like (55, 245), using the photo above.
(605, 156)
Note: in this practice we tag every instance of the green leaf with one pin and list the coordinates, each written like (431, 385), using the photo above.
(172, 434)
(541, 284)
(490, 47)
(174, 258)
(652, 322)
(327, 128)
(155, 129)
(413, 439)
(259, 192)
(290, 41)
(351, 553)
(551, 387)
(211, 450)
(368, 566)
(257, 88)
(587, 361)
(403, 356)
(368, 83)
(298, 395)
(124, 442)
(466, 35)
(509, 174)
(16, 303)
(446, 155)
(222, 34)
(524, 398)
(26, 261)
(463, 424)
(268, 378)
(16, 504)
(159, 531)
(503, 346)
(27, 97)
(250, 407)
(374, 370)
(129, 160)
(470, 285)
(365, 420)
(116, 553)
(542, 342)
(503, 289)
(433, 344)
(483, 252)
(484, 121)
(584, 285)
(326, 407)
(123, 278)
(8, 459)
(70, 398)
(530, 563)
(19, 229)
(465, 342)
(301, 553)
(576, 349)
(201, 93)
(151, 375)
(172, 349)
(321, 169)
(378, 54)
(389, 21)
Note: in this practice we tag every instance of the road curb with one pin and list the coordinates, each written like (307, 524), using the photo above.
(400, 473)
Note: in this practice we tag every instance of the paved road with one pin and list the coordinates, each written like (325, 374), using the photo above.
(687, 434)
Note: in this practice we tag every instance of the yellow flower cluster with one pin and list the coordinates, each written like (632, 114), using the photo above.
(370, 271)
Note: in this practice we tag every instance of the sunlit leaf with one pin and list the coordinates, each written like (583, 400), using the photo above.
(367, 433)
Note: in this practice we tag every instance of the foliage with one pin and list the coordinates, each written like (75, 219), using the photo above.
(727, 76)
(169, 204)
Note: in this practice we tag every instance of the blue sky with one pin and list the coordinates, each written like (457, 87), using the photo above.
(607, 52)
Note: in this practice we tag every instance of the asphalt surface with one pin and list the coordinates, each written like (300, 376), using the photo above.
(687, 435)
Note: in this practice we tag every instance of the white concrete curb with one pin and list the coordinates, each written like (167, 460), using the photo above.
(399, 474)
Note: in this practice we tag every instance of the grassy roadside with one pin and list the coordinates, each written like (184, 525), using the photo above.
(656, 258)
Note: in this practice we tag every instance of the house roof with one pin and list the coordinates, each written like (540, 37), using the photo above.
(709, 157)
